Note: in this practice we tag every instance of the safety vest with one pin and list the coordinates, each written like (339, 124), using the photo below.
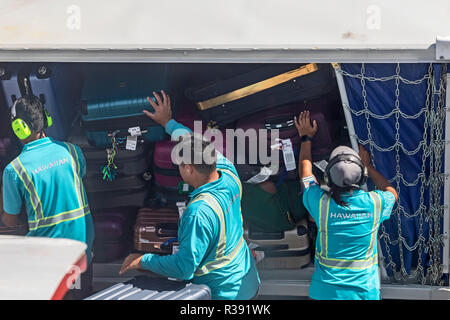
(370, 258)
(40, 220)
(222, 257)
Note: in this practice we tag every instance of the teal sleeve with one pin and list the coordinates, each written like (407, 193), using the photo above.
(311, 199)
(194, 237)
(176, 129)
(12, 193)
(388, 202)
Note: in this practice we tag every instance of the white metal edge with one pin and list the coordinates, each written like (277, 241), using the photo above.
(190, 55)
(354, 142)
(446, 222)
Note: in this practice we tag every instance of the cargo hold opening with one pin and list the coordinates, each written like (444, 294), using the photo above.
(144, 177)
(83, 99)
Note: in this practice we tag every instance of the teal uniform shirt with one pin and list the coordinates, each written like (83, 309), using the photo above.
(203, 235)
(47, 178)
(346, 266)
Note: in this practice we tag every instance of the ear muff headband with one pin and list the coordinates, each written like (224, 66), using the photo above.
(21, 128)
(48, 119)
(345, 157)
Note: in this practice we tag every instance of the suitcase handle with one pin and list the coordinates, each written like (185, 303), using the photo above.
(165, 230)
(280, 123)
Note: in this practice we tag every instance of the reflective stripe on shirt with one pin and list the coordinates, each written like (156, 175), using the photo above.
(221, 258)
(29, 185)
(40, 220)
(322, 256)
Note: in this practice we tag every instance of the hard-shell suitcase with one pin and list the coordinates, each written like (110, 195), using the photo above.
(282, 250)
(146, 288)
(114, 224)
(282, 119)
(114, 199)
(128, 162)
(121, 183)
(265, 87)
(166, 173)
(156, 230)
(113, 99)
(58, 86)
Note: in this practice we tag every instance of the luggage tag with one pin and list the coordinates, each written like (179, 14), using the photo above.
(288, 155)
(263, 175)
(131, 143)
(322, 164)
(181, 207)
(184, 188)
(132, 138)
(135, 131)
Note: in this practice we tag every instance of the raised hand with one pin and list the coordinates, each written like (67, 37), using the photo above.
(304, 126)
(162, 107)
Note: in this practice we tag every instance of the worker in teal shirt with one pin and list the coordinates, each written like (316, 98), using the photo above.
(47, 178)
(212, 250)
(347, 219)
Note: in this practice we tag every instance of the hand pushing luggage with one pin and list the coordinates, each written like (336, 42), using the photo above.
(146, 288)
(265, 87)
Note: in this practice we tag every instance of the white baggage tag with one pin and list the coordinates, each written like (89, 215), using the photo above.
(131, 143)
(175, 249)
(322, 164)
(288, 155)
(135, 131)
(181, 207)
(263, 175)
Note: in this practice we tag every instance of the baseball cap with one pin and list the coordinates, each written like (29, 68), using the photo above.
(345, 173)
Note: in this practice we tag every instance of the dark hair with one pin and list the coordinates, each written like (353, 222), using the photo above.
(29, 108)
(198, 149)
(336, 192)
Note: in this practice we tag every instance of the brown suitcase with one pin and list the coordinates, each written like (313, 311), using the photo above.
(156, 230)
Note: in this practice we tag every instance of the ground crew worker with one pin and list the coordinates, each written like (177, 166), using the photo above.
(47, 178)
(347, 219)
(212, 250)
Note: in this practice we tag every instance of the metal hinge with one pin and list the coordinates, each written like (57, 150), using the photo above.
(443, 48)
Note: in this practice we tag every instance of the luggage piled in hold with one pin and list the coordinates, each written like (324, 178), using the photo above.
(265, 87)
(276, 224)
(146, 288)
(281, 118)
(113, 100)
(125, 183)
(282, 250)
(113, 233)
(156, 230)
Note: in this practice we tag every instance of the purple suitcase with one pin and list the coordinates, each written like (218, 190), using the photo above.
(114, 224)
(282, 118)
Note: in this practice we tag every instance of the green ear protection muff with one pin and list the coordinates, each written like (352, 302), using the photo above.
(21, 128)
